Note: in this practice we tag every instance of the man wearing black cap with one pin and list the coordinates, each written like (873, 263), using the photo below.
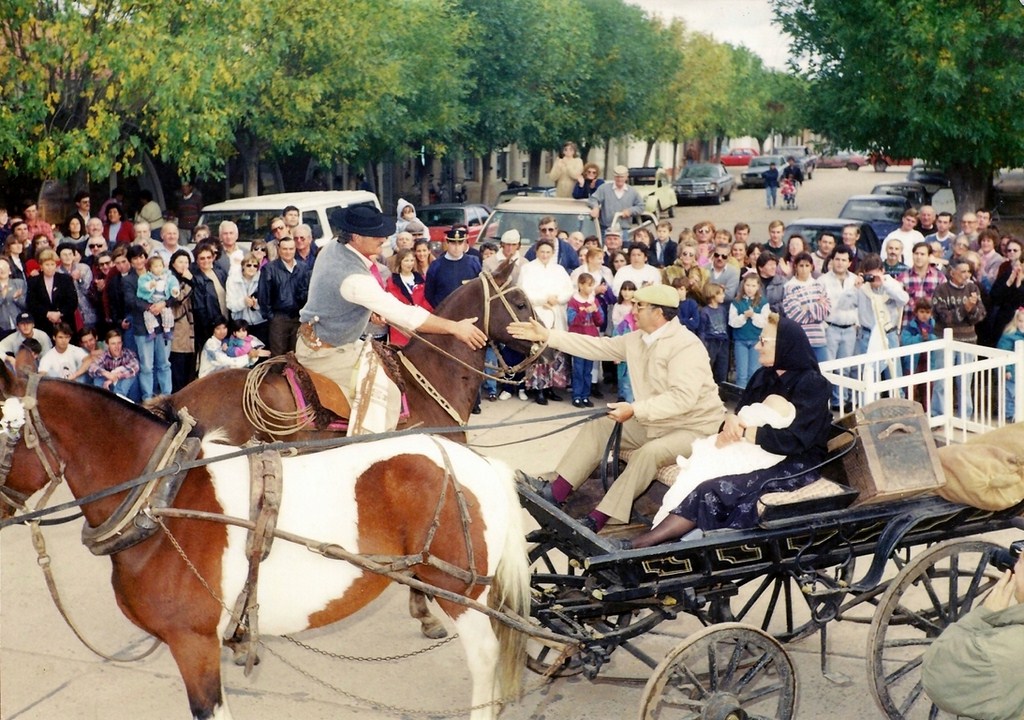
(26, 329)
(345, 288)
(455, 267)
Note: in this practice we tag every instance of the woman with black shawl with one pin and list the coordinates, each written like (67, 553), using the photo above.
(789, 369)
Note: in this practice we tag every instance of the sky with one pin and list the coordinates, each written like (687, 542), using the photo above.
(737, 22)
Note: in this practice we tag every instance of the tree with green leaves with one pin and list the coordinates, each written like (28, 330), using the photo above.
(941, 80)
(89, 86)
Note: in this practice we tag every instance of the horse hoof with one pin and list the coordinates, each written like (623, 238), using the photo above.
(434, 630)
(239, 657)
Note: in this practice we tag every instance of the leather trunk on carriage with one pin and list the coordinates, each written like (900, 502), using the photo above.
(895, 456)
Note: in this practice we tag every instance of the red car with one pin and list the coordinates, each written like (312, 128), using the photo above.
(439, 219)
(739, 157)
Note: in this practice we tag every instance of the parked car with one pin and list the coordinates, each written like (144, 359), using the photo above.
(915, 192)
(320, 210)
(848, 159)
(883, 212)
(933, 178)
(524, 214)
(440, 218)
(704, 181)
(739, 157)
(881, 161)
(524, 191)
(810, 229)
(807, 160)
(654, 187)
(751, 177)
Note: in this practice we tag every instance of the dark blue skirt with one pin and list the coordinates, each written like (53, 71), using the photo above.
(731, 501)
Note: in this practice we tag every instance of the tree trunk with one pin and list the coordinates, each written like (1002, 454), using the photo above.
(607, 158)
(250, 170)
(972, 186)
(486, 170)
(647, 153)
(535, 160)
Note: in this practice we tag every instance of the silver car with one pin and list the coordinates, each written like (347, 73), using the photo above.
(753, 175)
(704, 181)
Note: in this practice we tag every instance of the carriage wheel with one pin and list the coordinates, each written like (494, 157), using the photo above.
(724, 672)
(938, 587)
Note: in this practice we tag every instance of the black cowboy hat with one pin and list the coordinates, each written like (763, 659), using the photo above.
(366, 220)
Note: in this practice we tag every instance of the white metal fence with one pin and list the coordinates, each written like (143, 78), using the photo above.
(963, 387)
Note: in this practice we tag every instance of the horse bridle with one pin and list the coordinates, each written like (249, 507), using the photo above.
(492, 291)
(489, 283)
(21, 418)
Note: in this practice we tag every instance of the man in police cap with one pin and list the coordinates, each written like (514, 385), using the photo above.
(676, 402)
(345, 288)
(453, 268)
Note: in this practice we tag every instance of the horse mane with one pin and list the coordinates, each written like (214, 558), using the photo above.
(161, 407)
(139, 411)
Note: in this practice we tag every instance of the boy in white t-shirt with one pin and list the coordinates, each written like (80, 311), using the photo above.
(64, 360)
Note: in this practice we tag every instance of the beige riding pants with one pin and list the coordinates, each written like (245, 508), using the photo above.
(650, 454)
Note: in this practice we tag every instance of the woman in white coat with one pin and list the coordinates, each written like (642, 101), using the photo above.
(549, 288)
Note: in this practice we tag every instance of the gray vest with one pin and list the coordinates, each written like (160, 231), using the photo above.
(335, 319)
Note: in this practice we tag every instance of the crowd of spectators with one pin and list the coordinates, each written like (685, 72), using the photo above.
(175, 312)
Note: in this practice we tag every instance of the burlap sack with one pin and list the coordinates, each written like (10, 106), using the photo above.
(987, 471)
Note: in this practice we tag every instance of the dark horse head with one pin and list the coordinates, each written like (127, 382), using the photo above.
(495, 301)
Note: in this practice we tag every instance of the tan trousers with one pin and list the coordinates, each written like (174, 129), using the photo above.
(339, 364)
(650, 454)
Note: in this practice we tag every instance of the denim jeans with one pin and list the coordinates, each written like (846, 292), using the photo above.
(490, 385)
(841, 343)
(961, 386)
(581, 371)
(1011, 404)
(770, 194)
(154, 361)
(747, 361)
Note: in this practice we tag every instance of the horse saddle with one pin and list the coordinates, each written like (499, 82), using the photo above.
(329, 407)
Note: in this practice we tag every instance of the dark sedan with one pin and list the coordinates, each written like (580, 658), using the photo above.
(704, 181)
(933, 178)
(810, 229)
(883, 212)
(915, 192)
(440, 218)
(753, 175)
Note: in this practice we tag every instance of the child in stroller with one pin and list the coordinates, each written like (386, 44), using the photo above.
(788, 188)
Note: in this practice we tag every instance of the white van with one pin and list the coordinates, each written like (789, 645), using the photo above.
(320, 210)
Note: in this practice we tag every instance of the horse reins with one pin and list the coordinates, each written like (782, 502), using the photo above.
(25, 420)
(490, 285)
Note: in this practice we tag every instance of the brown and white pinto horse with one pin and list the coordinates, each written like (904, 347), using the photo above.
(375, 498)
(215, 401)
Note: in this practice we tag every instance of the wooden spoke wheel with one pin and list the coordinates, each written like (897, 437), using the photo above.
(724, 672)
(938, 587)
(785, 605)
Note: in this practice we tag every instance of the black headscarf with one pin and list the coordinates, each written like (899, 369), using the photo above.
(792, 348)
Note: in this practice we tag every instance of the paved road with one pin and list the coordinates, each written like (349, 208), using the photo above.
(45, 673)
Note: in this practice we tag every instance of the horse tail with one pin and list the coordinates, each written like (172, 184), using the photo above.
(511, 591)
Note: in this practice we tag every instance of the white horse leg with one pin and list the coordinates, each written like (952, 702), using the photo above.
(481, 648)
(222, 711)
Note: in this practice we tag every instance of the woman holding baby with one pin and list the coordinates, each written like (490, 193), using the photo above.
(789, 369)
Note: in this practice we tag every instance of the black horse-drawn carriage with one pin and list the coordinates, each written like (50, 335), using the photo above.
(756, 589)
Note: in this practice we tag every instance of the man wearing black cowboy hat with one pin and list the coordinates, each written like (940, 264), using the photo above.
(345, 288)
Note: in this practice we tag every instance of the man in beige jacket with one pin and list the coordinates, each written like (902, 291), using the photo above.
(676, 401)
